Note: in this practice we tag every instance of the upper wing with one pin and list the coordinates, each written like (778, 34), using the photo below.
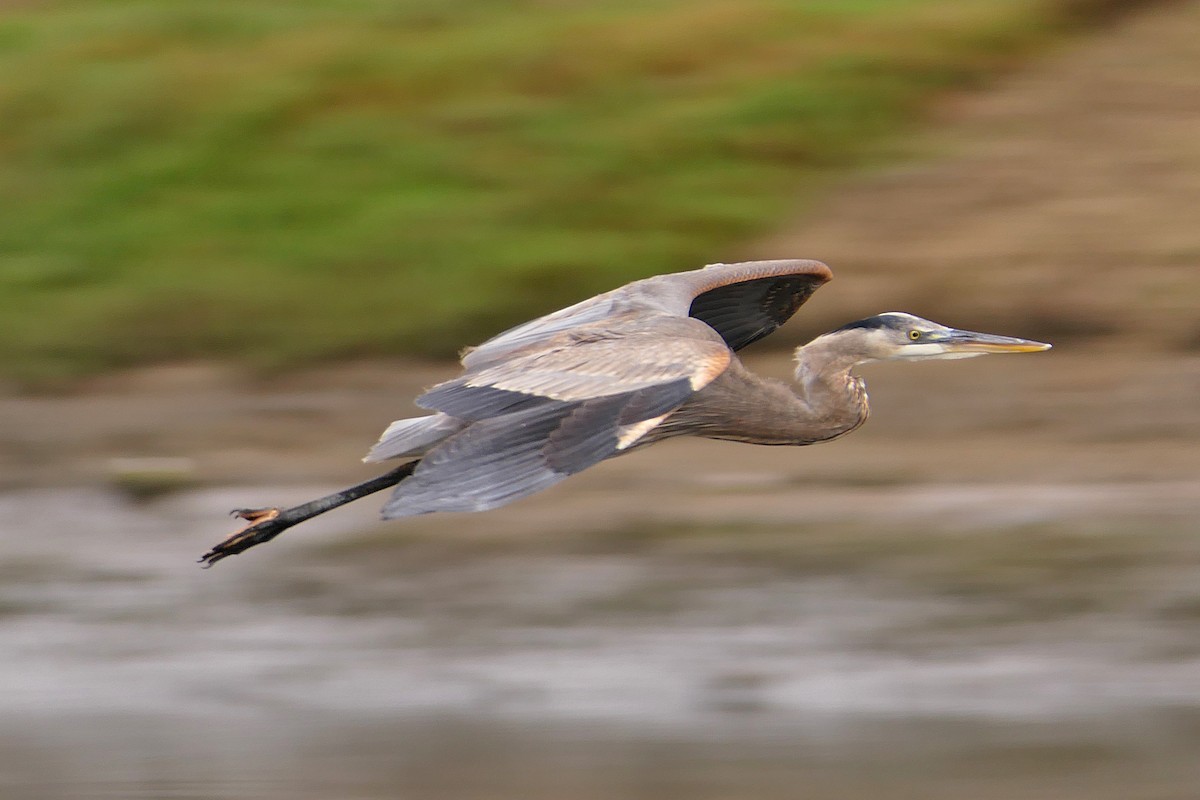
(742, 302)
(628, 355)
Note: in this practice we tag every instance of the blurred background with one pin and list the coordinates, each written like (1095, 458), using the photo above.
(237, 238)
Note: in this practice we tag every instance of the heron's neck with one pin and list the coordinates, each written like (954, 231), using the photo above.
(826, 383)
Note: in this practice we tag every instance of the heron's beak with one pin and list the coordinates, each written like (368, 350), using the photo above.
(956, 341)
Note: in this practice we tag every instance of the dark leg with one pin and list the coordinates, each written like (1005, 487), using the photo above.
(267, 523)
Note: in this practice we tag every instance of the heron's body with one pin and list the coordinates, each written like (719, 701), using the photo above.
(651, 360)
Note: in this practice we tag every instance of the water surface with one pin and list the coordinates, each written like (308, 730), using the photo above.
(1049, 660)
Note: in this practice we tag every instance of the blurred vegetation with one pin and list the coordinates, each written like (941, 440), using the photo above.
(281, 182)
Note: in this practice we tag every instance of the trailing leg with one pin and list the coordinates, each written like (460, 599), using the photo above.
(264, 524)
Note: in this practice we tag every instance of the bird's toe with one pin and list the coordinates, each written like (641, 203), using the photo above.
(255, 515)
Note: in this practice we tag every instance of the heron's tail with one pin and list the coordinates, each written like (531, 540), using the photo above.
(414, 436)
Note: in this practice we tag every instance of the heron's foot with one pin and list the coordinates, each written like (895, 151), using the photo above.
(262, 525)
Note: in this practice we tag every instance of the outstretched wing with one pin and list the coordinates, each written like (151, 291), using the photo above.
(536, 419)
(742, 302)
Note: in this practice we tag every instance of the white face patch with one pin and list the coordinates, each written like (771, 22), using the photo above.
(918, 352)
(924, 350)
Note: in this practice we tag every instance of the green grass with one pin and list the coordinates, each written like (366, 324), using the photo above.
(276, 183)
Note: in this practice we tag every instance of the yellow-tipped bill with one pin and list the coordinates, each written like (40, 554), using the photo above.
(956, 341)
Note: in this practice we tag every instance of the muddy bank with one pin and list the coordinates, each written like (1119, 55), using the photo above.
(1071, 415)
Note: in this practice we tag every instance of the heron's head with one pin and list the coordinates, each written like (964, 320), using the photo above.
(894, 336)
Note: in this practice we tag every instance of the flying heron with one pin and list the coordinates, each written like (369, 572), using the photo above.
(653, 359)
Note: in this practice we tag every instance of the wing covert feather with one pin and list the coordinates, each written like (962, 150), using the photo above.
(588, 364)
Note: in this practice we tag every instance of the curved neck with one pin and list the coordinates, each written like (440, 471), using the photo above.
(828, 402)
(825, 383)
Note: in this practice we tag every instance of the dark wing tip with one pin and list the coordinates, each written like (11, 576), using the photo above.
(756, 297)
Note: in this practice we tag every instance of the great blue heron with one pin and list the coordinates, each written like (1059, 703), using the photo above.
(648, 361)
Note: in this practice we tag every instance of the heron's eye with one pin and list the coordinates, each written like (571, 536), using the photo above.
(914, 335)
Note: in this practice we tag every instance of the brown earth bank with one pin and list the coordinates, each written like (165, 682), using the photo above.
(1076, 413)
